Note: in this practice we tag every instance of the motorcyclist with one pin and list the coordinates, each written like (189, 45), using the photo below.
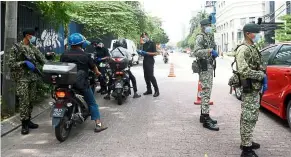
(118, 47)
(77, 55)
(101, 56)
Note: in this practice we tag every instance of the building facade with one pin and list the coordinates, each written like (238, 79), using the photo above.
(231, 16)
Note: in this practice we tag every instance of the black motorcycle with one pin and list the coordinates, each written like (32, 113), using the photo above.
(120, 79)
(69, 106)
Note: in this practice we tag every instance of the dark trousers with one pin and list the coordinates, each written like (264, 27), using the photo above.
(148, 69)
(102, 78)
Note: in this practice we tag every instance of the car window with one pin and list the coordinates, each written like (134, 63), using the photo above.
(283, 57)
(266, 54)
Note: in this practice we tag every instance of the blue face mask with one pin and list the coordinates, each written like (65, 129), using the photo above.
(32, 39)
(257, 38)
(208, 29)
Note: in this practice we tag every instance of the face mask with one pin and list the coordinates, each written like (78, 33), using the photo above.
(257, 38)
(208, 29)
(145, 39)
(32, 39)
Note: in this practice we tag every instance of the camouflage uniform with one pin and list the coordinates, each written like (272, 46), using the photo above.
(24, 78)
(249, 67)
(203, 46)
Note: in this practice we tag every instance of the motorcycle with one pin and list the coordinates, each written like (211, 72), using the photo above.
(69, 107)
(166, 59)
(120, 79)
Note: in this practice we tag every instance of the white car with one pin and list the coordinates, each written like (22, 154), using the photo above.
(131, 48)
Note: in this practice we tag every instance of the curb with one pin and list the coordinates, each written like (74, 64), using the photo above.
(12, 123)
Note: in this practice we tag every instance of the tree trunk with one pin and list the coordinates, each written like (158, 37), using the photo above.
(8, 98)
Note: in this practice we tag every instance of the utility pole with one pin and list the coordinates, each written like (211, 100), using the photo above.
(8, 96)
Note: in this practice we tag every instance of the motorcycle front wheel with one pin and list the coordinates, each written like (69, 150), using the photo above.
(63, 129)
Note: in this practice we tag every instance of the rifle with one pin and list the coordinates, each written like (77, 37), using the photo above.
(36, 70)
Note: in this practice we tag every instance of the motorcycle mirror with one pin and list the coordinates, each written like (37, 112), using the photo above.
(50, 56)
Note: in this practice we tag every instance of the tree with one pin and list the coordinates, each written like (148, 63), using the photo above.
(284, 34)
(194, 30)
(57, 13)
(8, 99)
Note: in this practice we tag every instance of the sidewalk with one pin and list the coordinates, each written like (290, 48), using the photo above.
(12, 123)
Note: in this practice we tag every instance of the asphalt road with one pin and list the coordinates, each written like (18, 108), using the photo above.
(154, 127)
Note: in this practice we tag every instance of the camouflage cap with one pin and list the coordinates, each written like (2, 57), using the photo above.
(29, 31)
(252, 28)
(205, 22)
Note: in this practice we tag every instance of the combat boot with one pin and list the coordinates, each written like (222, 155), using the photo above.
(208, 123)
(248, 152)
(202, 119)
(254, 146)
(31, 125)
(25, 128)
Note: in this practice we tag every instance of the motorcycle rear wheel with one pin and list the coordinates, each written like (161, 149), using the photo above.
(62, 131)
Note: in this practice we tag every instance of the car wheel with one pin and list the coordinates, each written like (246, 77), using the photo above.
(288, 113)
(238, 92)
(137, 62)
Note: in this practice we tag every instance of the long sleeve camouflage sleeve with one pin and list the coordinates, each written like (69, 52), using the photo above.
(39, 56)
(199, 50)
(242, 56)
(12, 60)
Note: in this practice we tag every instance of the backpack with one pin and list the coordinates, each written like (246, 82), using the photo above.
(82, 82)
(234, 80)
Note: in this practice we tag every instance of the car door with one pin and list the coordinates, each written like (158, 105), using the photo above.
(266, 57)
(279, 76)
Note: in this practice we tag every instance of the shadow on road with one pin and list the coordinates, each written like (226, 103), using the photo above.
(274, 117)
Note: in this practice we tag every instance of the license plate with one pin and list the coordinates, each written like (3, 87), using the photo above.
(58, 112)
(118, 85)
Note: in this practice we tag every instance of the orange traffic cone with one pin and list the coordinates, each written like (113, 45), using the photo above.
(198, 101)
(172, 74)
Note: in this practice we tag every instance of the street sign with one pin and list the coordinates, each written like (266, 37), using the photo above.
(210, 3)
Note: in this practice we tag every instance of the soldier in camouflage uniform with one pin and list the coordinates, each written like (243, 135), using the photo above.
(205, 55)
(252, 77)
(22, 72)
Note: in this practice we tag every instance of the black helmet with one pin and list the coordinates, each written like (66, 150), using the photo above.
(120, 43)
(252, 28)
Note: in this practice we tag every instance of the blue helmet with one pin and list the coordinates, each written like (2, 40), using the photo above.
(76, 39)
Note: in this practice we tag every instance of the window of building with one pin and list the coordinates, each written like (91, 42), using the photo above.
(283, 57)
(231, 23)
(252, 20)
(288, 7)
(243, 21)
(232, 36)
(239, 36)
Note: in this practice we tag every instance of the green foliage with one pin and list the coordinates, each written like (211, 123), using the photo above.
(121, 18)
(57, 13)
(194, 30)
(261, 44)
(284, 34)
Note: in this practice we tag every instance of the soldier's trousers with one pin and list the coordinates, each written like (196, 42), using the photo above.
(249, 116)
(206, 79)
(26, 92)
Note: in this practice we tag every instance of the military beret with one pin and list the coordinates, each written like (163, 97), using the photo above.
(205, 22)
(252, 28)
(29, 31)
